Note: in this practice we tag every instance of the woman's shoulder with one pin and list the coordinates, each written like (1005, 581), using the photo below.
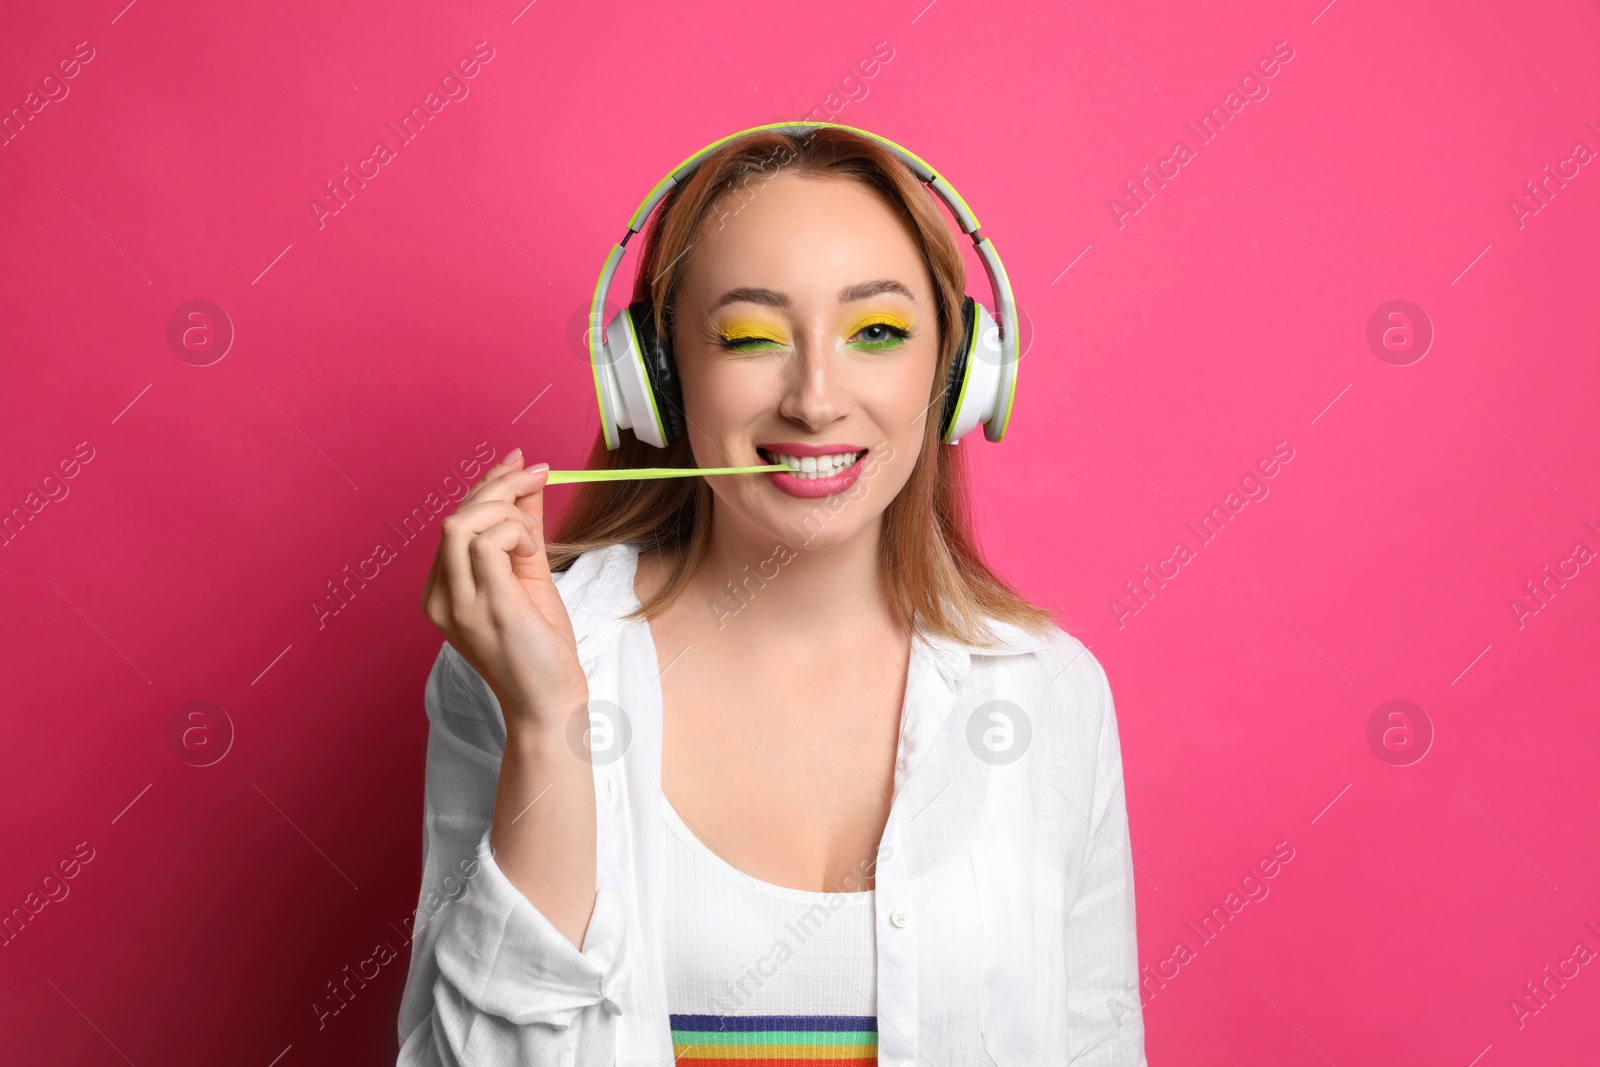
(1050, 646)
(596, 568)
(597, 587)
(1048, 660)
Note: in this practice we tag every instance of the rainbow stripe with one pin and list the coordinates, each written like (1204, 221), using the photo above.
(776, 1040)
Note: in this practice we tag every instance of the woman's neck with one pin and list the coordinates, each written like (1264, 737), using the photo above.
(783, 585)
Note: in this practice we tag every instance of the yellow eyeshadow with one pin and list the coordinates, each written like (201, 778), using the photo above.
(742, 329)
(874, 318)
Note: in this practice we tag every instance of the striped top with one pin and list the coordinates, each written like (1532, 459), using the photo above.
(763, 974)
(776, 1040)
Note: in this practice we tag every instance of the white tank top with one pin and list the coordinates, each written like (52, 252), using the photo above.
(757, 971)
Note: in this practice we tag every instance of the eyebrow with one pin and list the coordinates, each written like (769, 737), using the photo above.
(850, 294)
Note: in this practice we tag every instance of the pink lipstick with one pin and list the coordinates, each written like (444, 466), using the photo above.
(818, 470)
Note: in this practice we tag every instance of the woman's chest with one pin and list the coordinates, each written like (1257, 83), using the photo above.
(789, 776)
(973, 863)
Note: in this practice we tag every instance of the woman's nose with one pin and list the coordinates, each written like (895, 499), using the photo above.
(813, 394)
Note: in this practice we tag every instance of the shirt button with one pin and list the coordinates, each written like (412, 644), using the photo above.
(899, 916)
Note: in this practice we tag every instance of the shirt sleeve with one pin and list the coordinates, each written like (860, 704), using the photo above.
(1104, 1013)
(491, 980)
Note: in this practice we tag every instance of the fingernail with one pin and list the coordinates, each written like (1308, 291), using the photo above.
(537, 467)
(513, 454)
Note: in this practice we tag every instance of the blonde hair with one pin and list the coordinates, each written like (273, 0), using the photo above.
(935, 574)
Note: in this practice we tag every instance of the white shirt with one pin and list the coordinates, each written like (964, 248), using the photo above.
(1003, 898)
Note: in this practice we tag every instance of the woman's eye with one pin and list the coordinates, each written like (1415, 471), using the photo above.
(746, 344)
(874, 337)
(880, 335)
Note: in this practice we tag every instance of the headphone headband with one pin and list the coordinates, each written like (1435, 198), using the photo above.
(601, 357)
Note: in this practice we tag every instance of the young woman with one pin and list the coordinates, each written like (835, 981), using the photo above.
(769, 767)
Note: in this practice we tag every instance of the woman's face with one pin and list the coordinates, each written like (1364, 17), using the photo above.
(806, 327)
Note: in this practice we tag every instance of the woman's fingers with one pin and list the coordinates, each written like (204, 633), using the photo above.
(529, 491)
(450, 567)
(433, 576)
(495, 479)
(500, 595)
(491, 591)
(506, 493)
(460, 529)
(511, 460)
(533, 565)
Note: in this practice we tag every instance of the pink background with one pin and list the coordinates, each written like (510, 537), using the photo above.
(374, 352)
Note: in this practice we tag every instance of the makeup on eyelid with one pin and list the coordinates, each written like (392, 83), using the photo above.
(749, 330)
(879, 318)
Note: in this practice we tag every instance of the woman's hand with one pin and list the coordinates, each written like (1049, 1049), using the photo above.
(490, 592)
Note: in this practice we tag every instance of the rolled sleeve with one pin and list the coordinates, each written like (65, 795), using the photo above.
(492, 981)
(507, 959)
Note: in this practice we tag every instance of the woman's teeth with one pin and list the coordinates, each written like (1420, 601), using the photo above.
(812, 466)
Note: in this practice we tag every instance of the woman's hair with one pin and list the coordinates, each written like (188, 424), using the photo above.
(935, 574)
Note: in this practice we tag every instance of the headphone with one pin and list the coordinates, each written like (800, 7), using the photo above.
(635, 374)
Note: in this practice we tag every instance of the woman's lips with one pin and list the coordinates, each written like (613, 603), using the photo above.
(815, 486)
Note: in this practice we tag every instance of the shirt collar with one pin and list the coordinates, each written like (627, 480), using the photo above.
(598, 590)
(954, 655)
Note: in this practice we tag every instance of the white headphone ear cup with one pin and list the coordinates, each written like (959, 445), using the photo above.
(980, 387)
(606, 390)
(629, 387)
